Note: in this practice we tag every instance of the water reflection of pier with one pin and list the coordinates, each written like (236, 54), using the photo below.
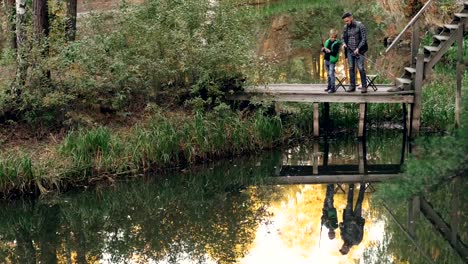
(320, 171)
(420, 206)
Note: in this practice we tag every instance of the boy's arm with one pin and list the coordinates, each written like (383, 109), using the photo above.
(335, 50)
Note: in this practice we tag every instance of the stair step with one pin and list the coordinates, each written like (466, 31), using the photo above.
(403, 80)
(410, 70)
(461, 15)
(451, 26)
(426, 59)
(432, 48)
(441, 37)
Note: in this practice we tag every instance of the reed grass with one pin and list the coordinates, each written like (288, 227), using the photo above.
(87, 156)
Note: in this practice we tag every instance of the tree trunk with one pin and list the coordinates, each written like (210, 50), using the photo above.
(70, 27)
(21, 43)
(41, 29)
(11, 25)
(41, 19)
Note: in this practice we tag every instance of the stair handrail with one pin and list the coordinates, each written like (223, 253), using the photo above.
(415, 18)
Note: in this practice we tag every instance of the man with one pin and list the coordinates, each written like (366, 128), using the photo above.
(331, 51)
(355, 46)
(352, 227)
(329, 216)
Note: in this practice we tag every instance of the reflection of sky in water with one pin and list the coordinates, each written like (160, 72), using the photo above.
(293, 234)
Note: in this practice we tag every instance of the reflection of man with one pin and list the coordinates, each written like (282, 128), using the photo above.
(352, 227)
(329, 217)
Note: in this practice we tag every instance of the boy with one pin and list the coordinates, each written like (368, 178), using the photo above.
(331, 49)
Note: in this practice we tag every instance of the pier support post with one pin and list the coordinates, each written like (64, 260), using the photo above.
(316, 119)
(413, 215)
(362, 119)
(326, 117)
(460, 68)
(362, 156)
(316, 158)
(415, 42)
(454, 218)
(416, 107)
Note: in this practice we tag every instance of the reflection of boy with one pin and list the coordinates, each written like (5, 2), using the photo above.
(352, 227)
(329, 217)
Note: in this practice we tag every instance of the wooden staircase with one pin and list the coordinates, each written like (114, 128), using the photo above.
(442, 41)
(423, 59)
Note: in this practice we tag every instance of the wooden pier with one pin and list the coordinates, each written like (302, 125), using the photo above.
(314, 93)
(409, 86)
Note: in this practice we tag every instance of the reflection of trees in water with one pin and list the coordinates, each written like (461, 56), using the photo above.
(383, 148)
(430, 242)
(207, 216)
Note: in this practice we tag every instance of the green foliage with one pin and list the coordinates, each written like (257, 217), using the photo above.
(124, 57)
(177, 217)
(438, 160)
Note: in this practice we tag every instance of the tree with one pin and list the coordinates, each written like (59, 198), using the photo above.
(41, 19)
(70, 27)
(21, 43)
(11, 27)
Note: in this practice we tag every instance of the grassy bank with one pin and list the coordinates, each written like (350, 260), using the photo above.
(87, 156)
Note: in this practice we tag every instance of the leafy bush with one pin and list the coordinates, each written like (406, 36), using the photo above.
(124, 57)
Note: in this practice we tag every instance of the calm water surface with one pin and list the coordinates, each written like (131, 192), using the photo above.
(230, 212)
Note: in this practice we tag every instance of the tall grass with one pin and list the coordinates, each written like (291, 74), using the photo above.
(86, 156)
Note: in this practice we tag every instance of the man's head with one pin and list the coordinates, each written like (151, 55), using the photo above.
(347, 18)
(333, 34)
(344, 249)
(331, 234)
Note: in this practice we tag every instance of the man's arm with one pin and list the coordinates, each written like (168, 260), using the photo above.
(363, 32)
(345, 37)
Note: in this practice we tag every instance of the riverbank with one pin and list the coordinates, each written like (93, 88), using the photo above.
(163, 140)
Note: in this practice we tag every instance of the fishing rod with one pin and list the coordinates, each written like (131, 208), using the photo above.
(368, 60)
(376, 66)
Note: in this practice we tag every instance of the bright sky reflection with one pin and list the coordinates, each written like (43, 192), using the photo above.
(293, 234)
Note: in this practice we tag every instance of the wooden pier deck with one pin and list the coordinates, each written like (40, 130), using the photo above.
(314, 93)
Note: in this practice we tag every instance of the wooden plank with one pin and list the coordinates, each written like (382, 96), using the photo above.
(415, 42)
(362, 156)
(348, 169)
(316, 120)
(441, 37)
(413, 215)
(316, 157)
(362, 120)
(410, 70)
(326, 117)
(312, 179)
(316, 87)
(416, 109)
(452, 26)
(455, 215)
(304, 98)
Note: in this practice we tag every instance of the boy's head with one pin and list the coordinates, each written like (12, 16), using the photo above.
(333, 34)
